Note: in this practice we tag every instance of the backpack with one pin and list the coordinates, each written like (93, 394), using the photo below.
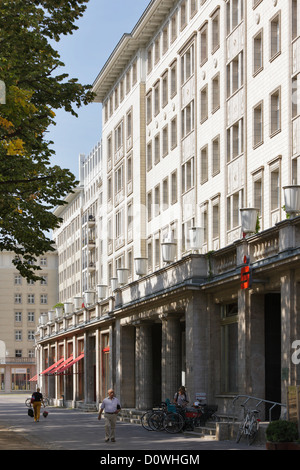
(30, 412)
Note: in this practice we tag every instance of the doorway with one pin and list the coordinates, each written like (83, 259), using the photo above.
(273, 352)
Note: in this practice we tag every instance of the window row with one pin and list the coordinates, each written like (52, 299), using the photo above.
(19, 317)
(274, 118)
(274, 44)
(122, 89)
(163, 89)
(18, 279)
(120, 141)
(31, 298)
(161, 144)
(163, 195)
(117, 182)
(171, 31)
(19, 335)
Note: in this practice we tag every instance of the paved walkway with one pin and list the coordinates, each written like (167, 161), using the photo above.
(69, 429)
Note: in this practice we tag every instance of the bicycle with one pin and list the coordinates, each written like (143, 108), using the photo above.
(29, 404)
(152, 420)
(249, 426)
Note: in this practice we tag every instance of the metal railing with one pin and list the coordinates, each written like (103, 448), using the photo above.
(259, 402)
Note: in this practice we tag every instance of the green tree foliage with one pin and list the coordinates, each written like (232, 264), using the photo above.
(30, 188)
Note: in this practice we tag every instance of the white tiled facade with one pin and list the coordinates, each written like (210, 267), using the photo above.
(200, 120)
(213, 82)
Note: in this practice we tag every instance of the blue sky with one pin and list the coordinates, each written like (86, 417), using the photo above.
(84, 53)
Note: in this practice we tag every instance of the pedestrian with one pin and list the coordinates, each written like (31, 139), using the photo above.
(181, 398)
(112, 407)
(37, 401)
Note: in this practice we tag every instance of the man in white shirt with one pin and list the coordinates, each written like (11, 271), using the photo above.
(112, 407)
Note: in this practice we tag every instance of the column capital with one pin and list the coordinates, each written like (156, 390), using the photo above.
(165, 316)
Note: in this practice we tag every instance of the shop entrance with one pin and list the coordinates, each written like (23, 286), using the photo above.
(273, 352)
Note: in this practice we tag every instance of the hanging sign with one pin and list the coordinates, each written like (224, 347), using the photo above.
(246, 274)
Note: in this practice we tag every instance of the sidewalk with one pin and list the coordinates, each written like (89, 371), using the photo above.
(69, 429)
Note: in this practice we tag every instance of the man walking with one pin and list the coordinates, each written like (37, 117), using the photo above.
(112, 407)
(37, 400)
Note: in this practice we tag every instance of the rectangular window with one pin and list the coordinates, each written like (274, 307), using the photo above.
(275, 37)
(204, 44)
(174, 187)
(204, 164)
(187, 180)
(258, 125)
(204, 104)
(235, 74)
(275, 118)
(156, 149)
(188, 64)
(235, 140)
(173, 90)
(216, 155)
(216, 93)
(258, 53)
(187, 119)
(216, 31)
(173, 133)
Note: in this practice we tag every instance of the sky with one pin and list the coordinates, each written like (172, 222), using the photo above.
(84, 53)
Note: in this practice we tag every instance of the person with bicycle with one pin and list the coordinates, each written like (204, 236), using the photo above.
(37, 401)
(181, 397)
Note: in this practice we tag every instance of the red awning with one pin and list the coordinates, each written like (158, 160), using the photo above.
(52, 367)
(57, 369)
(34, 379)
(81, 356)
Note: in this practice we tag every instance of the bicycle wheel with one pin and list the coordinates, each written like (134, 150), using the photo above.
(156, 420)
(239, 433)
(145, 420)
(46, 401)
(173, 423)
(28, 402)
(252, 432)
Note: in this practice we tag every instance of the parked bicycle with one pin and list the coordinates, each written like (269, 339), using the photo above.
(249, 426)
(28, 402)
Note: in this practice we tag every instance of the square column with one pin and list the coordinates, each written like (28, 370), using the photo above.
(197, 327)
(171, 355)
(143, 366)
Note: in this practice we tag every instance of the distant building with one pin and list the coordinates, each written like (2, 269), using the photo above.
(200, 121)
(21, 305)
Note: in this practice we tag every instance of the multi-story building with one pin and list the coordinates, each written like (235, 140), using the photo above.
(200, 121)
(21, 305)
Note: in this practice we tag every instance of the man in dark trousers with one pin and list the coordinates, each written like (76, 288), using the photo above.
(112, 407)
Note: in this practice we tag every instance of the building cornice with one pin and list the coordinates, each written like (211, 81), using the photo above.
(129, 45)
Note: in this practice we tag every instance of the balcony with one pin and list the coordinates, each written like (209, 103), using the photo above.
(17, 360)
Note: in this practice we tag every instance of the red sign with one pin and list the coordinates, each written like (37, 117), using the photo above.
(246, 274)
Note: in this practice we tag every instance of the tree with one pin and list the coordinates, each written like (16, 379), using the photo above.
(30, 188)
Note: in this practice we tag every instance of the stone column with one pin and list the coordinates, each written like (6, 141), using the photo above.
(171, 355)
(197, 330)
(143, 366)
(243, 346)
(290, 330)
(257, 345)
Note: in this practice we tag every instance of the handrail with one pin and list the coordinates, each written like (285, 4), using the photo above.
(260, 401)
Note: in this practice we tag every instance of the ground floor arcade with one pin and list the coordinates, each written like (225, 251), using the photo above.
(190, 323)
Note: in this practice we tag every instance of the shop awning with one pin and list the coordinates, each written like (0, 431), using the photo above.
(52, 367)
(64, 363)
(60, 371)
(34, 379)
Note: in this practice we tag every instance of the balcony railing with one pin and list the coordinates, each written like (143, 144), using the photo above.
(17, 360)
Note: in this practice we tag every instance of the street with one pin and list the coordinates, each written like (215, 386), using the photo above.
(71, 429)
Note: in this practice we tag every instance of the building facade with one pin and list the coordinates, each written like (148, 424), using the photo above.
(21, 305)
(200, 121)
